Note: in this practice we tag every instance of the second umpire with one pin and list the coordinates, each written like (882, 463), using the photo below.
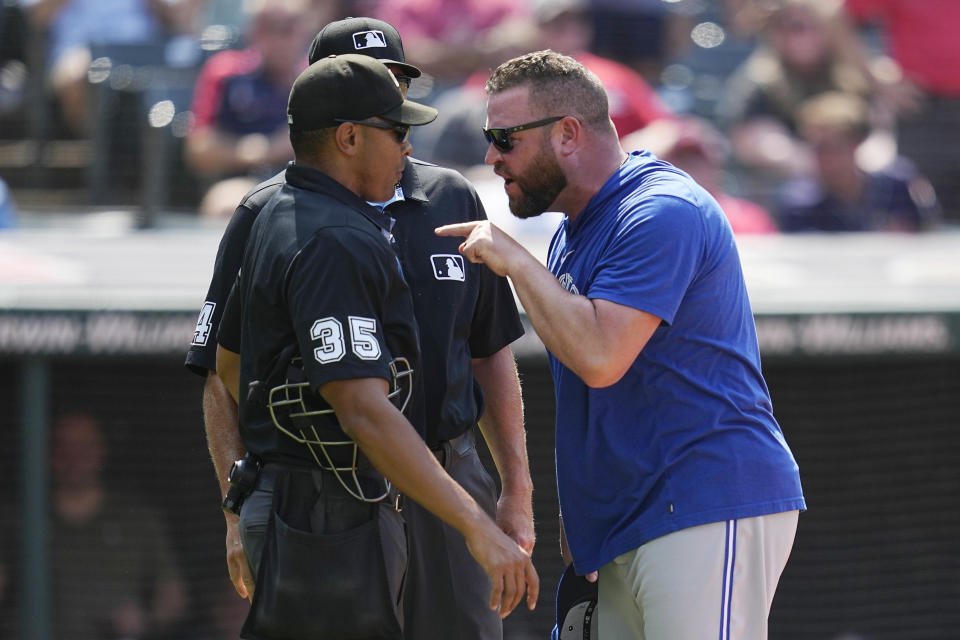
(467, 318)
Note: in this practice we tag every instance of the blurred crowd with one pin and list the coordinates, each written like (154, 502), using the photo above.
(798, 115)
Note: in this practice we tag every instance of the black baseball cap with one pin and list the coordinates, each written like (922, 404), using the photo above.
(576, 607)
(350, 87)
(367, 36)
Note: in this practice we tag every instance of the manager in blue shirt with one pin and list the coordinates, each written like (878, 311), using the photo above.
(676, 485)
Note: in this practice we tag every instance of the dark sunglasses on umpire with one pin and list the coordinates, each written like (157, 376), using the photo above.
(402, 131)
(499, 137)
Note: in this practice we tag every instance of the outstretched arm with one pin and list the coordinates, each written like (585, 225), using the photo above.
(502, 428)
(597, 339)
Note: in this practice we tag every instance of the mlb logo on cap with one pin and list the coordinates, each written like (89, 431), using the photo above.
(368, 39)
(576, 608)
(375, 38)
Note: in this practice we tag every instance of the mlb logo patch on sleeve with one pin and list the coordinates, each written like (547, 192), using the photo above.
(447, 266)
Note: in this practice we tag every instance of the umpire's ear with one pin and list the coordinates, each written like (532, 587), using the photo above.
(347, 138)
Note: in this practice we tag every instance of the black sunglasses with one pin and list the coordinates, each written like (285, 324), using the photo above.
(500, 136)
(402, 131)
(404, 81)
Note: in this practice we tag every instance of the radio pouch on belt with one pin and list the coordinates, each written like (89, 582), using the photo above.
(324, 571)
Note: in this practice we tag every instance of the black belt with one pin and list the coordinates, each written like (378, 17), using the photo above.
(340, 455)
(272, 472)
(462, 444)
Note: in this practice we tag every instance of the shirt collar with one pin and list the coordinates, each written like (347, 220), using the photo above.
(397, 196)
(409, 188)
(610, 187)
(410, 183)
(317, 181)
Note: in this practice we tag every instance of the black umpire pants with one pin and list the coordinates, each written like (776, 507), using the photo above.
(332, 518)
(447, 592)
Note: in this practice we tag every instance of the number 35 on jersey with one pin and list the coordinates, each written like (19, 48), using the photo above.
(332, 341)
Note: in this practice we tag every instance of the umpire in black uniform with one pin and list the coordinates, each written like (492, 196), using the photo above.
(467, 317)
(321, 287)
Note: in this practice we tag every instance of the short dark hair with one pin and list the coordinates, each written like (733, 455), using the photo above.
(555, 79)
(310, 144)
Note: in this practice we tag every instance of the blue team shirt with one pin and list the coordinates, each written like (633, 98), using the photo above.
(687, 436)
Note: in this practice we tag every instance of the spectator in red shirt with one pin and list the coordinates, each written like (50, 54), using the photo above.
(922, 39)
(239, 134)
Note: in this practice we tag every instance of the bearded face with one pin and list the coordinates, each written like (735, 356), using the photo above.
(531, 191)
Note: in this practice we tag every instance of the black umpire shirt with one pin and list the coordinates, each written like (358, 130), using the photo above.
(463, 310)
(320, 280)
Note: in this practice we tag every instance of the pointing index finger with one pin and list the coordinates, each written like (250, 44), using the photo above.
(461, 229)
